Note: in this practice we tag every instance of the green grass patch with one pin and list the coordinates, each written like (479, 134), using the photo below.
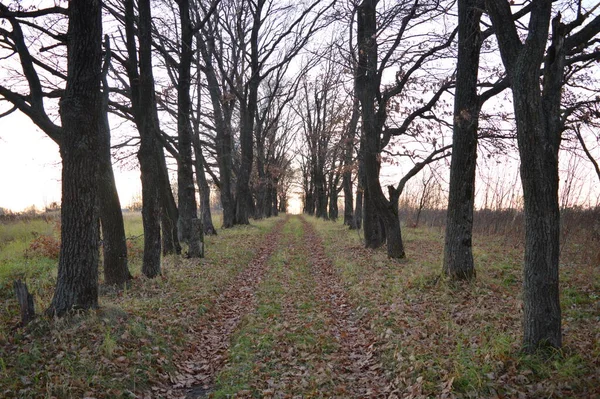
(131, 342)
(437, 338)
(281, 347)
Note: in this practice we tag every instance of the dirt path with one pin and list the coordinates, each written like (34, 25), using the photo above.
(207, 355)
(306, 337)
(357, 368)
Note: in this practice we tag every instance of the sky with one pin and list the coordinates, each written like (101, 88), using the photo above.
(30, 168)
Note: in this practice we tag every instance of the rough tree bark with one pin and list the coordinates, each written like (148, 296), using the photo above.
(348, 159)
(169, 212)
(80, 112)
(204, 189)
(248, 107)
(360, 184)
(208, 227)
(143, 102)
(538, 138)
(114, 242)
(223, 139)
(113, 234)
(378, 210)
(458, 254)
(185, 173)
(25, 300)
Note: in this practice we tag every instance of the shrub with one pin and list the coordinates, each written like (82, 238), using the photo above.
(46, 246)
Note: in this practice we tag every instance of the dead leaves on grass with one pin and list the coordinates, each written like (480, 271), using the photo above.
(206, 352)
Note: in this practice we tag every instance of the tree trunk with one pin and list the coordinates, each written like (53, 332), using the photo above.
(537, 114)
(458, 254)
(275, 206)
(169, 211)
(25, 300)
(377, 208)
(114, 246)
(223, 139)
(144, 106)
(187, 229)
(358, 210)
(333, 203)
(348, 199)
(204, 188)
(243, 199)
(320, 193)
(347, 172)
(151, 209)
(395, 245)
(114, 242)
(242, 192)
(373, 227)
(263, 198)
(80, 112)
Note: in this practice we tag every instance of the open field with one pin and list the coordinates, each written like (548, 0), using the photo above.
(296, 307)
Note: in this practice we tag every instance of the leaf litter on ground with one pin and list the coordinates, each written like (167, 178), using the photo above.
(299, 308)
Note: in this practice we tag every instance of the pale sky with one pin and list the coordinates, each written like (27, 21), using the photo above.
(30, 167)
(30, 170)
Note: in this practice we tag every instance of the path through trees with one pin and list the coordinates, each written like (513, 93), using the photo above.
(290, 313)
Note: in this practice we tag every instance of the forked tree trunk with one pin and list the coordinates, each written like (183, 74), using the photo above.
(537, 113)
(377, 208)
(80, 111)
(458, 254)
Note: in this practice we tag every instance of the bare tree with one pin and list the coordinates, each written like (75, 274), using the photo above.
(458, 255)
(381, 222)
(145, 115)
(35, 102)
(81, 117)
(321, 108)
(539, 128)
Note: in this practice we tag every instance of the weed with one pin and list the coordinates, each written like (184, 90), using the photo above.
(108, 344)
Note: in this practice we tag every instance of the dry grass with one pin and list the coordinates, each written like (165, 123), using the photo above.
(431, 338)
(464, 339)
(128, 345)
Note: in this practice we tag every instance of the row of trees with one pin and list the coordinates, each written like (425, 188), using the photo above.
(544, 61)
(203, 83)
(233, 91)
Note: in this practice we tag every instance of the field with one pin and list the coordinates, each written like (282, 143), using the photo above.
(295, 307)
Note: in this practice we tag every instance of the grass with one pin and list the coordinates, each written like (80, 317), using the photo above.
(465, 338)
(281, 346)
(434, 338)
(132, 341)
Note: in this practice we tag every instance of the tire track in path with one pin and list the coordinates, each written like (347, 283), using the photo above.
(357, 365)
(207, 356)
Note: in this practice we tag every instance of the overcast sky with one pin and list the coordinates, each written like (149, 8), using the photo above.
(30, 167)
